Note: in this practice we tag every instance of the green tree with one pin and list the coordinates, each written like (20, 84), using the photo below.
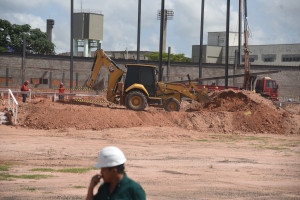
(173, 57)
(11, 37)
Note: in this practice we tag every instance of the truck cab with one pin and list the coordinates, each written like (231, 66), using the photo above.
(267, 88)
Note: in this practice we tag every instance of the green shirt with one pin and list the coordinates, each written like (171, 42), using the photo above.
(126, 189)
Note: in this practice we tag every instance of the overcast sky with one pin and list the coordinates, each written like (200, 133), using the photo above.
(271, 21)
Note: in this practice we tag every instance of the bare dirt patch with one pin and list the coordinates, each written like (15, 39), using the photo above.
(169, 162)
(174, 155)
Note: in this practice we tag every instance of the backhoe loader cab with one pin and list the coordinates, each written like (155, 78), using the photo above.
(143, 75)
(140, 86)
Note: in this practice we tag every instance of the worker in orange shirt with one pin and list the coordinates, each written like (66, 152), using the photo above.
(24, 89)
(61, 91)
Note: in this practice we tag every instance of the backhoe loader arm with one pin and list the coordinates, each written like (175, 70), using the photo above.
(115, 74)
(200, 95)
(182, 89)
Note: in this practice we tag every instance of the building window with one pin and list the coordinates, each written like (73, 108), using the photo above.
(43, 81)
(252, 58)
(268, 60)
(269, 57)
(291, 58)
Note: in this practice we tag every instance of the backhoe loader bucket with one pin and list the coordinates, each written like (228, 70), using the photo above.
(202, 96)
(99, 85)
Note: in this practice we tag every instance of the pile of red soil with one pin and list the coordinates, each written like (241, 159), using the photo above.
(229, 111)
(50, 115)
(250, 112)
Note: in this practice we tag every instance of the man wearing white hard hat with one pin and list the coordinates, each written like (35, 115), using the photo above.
(116, 183)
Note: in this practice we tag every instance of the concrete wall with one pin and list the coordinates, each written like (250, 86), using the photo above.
(57, 68)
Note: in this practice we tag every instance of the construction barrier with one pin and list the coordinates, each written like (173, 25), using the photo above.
(91, 101)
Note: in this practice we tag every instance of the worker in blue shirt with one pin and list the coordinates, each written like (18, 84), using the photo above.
(116, 184)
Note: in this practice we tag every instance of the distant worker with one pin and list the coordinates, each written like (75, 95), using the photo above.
(61, 90)
(24, 89)
(116, 183)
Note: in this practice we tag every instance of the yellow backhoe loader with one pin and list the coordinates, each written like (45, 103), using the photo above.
(140, 87)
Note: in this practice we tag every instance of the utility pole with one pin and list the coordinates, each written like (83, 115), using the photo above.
(201, 42)
(227, 43)
(246, 84)
(240, 30)
(139, 32)
(71, 46)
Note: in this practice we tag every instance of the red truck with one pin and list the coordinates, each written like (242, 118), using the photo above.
(267, 88)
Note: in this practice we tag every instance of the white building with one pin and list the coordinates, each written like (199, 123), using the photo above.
(274, 54)
(219, 39)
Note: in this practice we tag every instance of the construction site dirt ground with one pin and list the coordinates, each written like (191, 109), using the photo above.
(239, 146)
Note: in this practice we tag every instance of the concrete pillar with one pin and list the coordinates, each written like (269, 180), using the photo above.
(98, 44)
(50, 23)
(89, 49)
(165, 32)
(86, 48)
(50, 80)
(6, 79)
(75, 47)
(77, 79)
(63, 78)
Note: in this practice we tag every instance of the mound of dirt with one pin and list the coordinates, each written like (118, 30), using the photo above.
(293, 108)
(229, 111)
(50, 115)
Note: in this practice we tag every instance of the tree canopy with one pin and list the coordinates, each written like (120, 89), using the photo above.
(173, 57)
(11, 39)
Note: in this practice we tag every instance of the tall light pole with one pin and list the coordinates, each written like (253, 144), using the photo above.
(168, 15)
(201, 42)
(139, 32)
(161, 40)
(71, 46)
(163, 15)
(227, 43)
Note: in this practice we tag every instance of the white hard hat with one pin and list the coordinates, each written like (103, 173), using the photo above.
(110, 156)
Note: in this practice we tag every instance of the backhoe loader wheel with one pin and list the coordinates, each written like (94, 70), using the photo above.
(136, 100)
(172, 105)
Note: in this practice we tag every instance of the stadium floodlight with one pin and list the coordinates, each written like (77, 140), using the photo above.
(168, 15)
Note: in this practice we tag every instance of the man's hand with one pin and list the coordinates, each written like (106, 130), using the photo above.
(94, 181)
